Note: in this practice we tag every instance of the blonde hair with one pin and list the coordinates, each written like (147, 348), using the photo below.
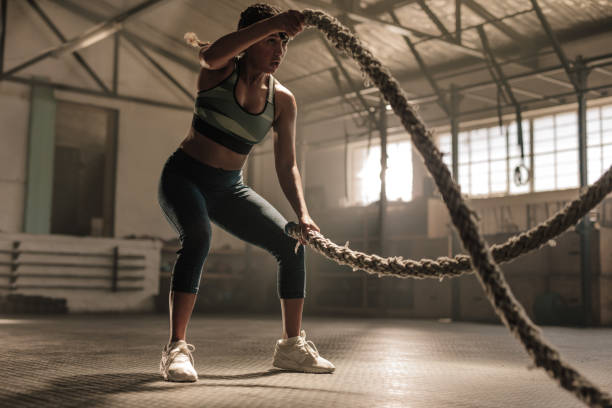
(193, 40)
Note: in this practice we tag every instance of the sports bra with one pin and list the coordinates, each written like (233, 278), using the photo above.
(219, 116)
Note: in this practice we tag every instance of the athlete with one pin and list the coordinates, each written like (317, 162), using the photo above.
(238, 102)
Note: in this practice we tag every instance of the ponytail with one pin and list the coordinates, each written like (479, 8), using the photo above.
(193, 40)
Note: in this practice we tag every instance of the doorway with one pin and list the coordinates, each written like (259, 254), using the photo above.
(84, 170)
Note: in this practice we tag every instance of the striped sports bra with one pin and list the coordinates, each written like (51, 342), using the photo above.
(219, 116)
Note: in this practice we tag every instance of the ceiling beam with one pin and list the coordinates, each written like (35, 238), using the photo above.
(364, 17)
(598, 28)
(603, 71)
(348, 79)
(405, 31)
(432, 16)
(336, 78)
(424, 70)
(161, 69)
(87, 38)
(444, 120)
(555, 42)
(63, 39)
(481, 98)
(78, 9)
(561, 83)
(385, 6)
(313, 106)
(92, 92)
(501, 26)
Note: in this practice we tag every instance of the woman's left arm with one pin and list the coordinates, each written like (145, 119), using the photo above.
(285, 161)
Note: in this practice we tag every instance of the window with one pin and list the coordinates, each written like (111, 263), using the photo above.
(364, 168)
(555, 148)
(599, 141)
(488, 156)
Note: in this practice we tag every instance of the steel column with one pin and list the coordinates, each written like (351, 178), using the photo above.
(458, 28)
(116, 63)
(382, 208)
(454, 118)
(3, 10)
(586, 272)
(582, 73)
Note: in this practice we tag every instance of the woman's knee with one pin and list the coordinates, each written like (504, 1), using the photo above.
(287, 250)
(292, 274)
(196, 238)
(195, 245)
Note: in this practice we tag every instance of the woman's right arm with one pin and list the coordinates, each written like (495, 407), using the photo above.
(220, 53)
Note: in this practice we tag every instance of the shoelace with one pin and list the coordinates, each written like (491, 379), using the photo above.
(307, 346)
(185, 349)
(313, 348)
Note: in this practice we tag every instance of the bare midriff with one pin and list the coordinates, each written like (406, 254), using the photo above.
(211, 153)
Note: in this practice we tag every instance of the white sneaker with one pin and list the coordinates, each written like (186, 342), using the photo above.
(297, 354)
(177, 362)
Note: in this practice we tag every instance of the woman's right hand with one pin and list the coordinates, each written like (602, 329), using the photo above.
(290, 22)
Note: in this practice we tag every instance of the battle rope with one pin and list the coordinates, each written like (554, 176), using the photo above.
(445, 267)
(489, 275)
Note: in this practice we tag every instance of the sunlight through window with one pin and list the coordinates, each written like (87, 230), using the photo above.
(366, 170)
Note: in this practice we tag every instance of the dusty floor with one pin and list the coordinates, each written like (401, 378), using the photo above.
(96, 361)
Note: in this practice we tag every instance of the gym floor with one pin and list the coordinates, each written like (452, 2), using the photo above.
(112, 360)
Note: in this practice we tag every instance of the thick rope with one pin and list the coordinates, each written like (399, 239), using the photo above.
(489, 275)
(443, 267)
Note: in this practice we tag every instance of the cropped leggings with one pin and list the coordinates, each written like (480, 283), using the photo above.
(192, 194)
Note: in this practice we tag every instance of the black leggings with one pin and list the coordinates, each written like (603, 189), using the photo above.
(191, 194)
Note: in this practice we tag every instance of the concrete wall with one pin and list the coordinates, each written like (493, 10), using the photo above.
(514, 213)
(85, 288)
(147, 135)
(605, 280)
(14, 111)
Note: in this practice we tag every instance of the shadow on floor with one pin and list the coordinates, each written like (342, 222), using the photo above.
(92, 390)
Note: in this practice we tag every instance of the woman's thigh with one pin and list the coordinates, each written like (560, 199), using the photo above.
(184, 206)
(250, 217)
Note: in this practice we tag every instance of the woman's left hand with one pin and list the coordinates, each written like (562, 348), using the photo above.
(306, 224)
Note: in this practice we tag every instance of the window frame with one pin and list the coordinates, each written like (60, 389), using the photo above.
(530, 156)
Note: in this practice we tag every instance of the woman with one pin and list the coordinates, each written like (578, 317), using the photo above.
(238, 102)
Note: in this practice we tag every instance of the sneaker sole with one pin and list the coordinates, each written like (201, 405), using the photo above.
(291, 365)
(168, 378)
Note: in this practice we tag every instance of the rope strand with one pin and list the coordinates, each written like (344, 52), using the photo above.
(489, 275)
